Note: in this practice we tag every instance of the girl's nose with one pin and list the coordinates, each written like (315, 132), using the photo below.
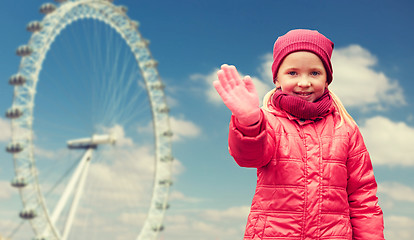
(304, 82)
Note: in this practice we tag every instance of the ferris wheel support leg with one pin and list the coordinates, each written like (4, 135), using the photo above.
(71, 185)
(78, 195)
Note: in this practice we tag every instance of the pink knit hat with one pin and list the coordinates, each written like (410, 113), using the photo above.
(303, 40)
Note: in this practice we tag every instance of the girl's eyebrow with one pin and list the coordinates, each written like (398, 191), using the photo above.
(317, 69)
(291, 68)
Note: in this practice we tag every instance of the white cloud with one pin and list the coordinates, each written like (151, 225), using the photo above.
(179, 196)
(118, 133)
(182, 128)
(6, 191)
(262, 87)
(132, 218)
(389, 143)
(358, 84)
(207, 224)
(397, 191)
(8, 225)
(51, 154)
(265, 69)
(399, 228)
(210, 92)
(171, 102)
(231, 213)
(147, 129)
(5, 133)
(122, 180)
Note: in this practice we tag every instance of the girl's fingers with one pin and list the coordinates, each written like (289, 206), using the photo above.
(229, 75)
(222, 92)
(223, 80)
(248, 82)
(219, 88)
(235, 75)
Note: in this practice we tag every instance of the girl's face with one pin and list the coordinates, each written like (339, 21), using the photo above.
(302, 74)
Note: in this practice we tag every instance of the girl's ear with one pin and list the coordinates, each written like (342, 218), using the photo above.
(277, 83)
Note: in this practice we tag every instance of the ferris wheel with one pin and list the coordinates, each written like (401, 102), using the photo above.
(109, 113)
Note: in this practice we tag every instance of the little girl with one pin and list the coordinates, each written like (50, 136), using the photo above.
(314, 174)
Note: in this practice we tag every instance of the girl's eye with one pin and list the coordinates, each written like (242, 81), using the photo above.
(314, 73)
(292, 73)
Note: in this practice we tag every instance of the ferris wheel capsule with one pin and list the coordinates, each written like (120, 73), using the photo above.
(19, 182)
(14, 148)
(166, 182)
(40, 238)
(163, 109)
(168, 158)
(28, 214)
(34, 26)
(47, 8)
(168, 133)
(134, 24)
(158, 228)
(17, 80)
(143, 43)
(162, 206)
(14, 113)
(24, 51)
(123, 8)
(151, 63)
(157, 86)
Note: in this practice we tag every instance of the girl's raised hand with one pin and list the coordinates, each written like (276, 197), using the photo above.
(239, 95)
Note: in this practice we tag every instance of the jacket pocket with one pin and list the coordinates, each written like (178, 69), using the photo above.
(335, 225)
(283, 225)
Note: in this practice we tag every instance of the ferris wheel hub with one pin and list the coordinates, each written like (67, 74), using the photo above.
(93, 142)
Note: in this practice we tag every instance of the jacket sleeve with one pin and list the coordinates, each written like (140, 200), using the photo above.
(366, 215)
(251, 146)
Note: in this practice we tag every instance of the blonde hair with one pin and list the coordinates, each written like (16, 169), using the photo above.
(344, 115)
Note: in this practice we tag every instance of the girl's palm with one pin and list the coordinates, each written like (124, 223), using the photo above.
(239, 95)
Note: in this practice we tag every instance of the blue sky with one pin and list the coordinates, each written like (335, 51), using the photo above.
(211, 195)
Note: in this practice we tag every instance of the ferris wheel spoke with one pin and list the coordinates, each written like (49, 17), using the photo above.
(78, 194)
(71, 185)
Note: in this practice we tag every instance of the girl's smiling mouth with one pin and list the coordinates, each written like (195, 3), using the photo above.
(304, 94)
(307, 96)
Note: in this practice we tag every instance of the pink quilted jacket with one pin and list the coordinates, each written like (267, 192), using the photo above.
(314, 181)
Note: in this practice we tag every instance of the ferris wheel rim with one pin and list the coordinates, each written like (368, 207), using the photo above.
(24, 97)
